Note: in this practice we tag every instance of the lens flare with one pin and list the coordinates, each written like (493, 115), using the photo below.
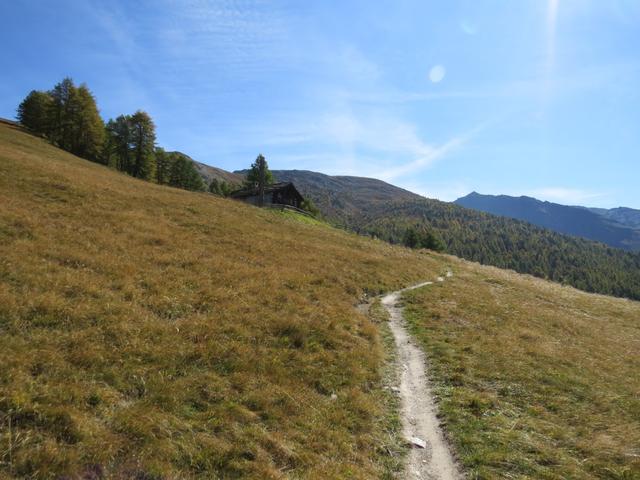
(437, 73)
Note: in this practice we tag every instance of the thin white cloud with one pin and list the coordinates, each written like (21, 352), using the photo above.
(372, 143)
(445, 191)
(564, 195)
(426, 159)
(468, 27)
(426, 155)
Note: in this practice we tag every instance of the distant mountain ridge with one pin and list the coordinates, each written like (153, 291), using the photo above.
(628, 217)
(208, 173)
(594, 224)
(344, 198)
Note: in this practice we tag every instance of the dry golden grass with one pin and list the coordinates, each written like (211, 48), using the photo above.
(536, 380)
(148, 332)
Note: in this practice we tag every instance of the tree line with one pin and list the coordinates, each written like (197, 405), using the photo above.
(68, 117)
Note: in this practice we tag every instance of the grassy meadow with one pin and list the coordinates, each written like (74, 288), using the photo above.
(535, 380)
(148, 332)
(152, 333)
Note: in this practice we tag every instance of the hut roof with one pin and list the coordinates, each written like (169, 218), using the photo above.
(274, 187)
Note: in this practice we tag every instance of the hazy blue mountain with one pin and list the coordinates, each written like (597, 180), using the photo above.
(628, 217)
(600, 225)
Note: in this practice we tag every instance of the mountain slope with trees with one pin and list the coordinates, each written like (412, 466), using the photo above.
(344, 199)
(576, 221)
(371, 207)
(210, 173)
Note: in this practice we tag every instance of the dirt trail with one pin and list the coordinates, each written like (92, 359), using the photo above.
(419, 421)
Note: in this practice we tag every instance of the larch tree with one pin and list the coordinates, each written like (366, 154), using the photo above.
(143, 140)
(163, 166)
(88, 127)
(34, 112)
(62, 107)
(67, 116)
(117, 152)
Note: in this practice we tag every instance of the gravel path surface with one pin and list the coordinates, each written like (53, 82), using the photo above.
(430, 456)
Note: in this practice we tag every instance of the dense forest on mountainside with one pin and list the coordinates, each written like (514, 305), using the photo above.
(514, 244)
(357, 204)
(578, 221)
(343, 199)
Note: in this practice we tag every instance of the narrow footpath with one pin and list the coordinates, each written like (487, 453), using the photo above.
(430, 457)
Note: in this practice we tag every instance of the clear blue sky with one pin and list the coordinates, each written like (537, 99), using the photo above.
(537, 97)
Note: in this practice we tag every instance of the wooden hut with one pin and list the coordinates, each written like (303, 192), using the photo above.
(275, 194)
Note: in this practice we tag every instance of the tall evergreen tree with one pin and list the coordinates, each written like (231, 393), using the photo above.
(130, 146)
(88, 127)
(163, 166)
(143, 139)
(117, 152)
(62, 114)
(35, 112)
(253, 176)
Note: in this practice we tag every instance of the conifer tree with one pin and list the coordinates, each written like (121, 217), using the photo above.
(117, 152)
(163, 166)
(253, 176)
(35, 112)
(62, 114)
(68, 116)
(143, 139)
(87, 125)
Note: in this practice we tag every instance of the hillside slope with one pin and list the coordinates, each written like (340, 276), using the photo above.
(153, 333)
(576, 221)
(342, 198)
(209, 173)
(150, 332)
(473, 235)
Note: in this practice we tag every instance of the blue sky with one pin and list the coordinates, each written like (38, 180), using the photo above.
(536, 97)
